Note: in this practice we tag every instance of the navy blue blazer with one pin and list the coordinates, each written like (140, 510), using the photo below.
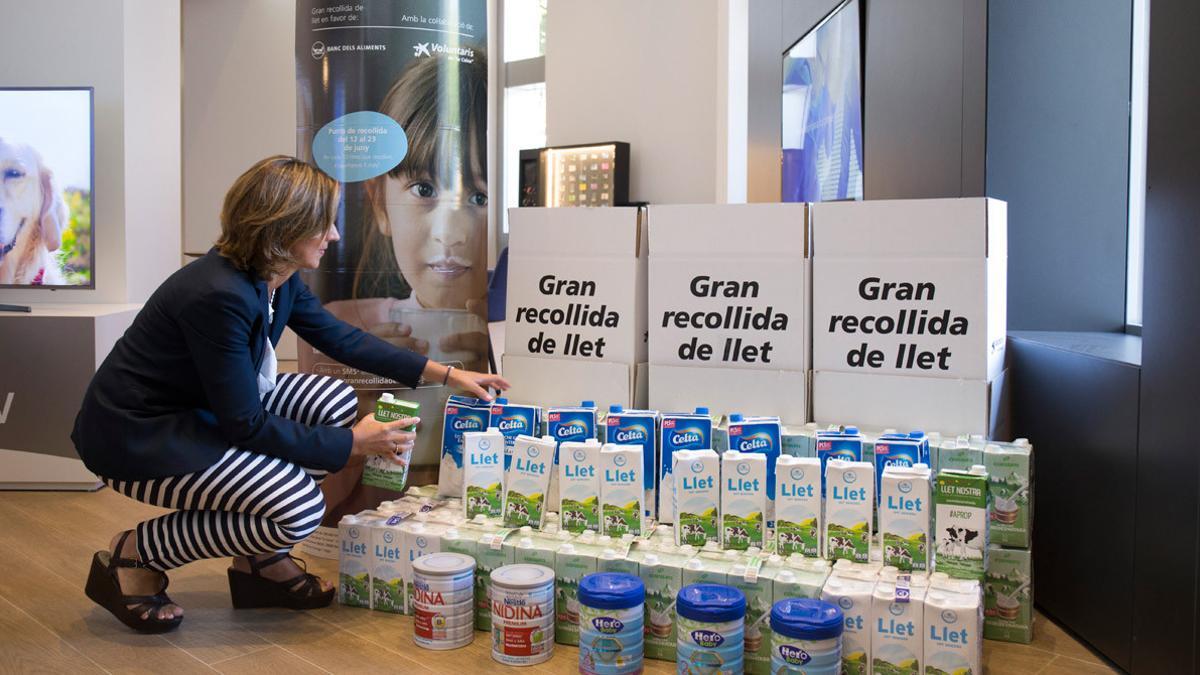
(181, 385)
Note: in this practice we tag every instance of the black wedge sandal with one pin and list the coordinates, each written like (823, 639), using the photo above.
(104, 588)
(251, 589)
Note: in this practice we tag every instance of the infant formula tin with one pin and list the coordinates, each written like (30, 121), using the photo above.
(443, 600)
(354, 577)
(637, 427)
(515, 420)
(678, 431)
(844, 443)
(572, 423)
(611, 624)
(798, 513)
(953, 626)
(760, 435)
(697, 499)
(710, 629)
(462, 414)
(528, 480)
(898, 622)
(849, 509)
(522, 599)
(380, 470)
(483, 473)
(904, 514)
(806, 637)
(1010, 474)
(961, 509)
(743, 499)
(579, 485)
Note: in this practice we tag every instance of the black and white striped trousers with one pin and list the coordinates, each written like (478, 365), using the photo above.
(247, 503)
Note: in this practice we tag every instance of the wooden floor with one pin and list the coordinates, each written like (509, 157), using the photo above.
(48, 625)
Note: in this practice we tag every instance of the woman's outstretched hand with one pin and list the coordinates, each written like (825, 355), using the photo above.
(476, 384)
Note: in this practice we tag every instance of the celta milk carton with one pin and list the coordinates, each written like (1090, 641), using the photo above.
(961, 513)
(388, 592)
(637, 427)
(678, 431)
(354, 573)
(579, 485)
(798, 506)
(462, 414)
(483, 473)
(905, 510)
(697, 499)
(844, 443)
(1008, 595)
(528, 480)
(762, 435)
(622, 490)
(849, 507)
(898, 623)
(853, 593)
(743, 499)
(572, 423)
(953, 626)
(896, 450)
(1010, 475)
(514, 420)
(380, 470)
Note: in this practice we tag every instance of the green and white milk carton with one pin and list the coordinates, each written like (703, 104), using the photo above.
(753, 577)
(958, 454)
(743, 499)
(622, 490)
(961, 508)
(483, 473)
(710, 567)
(800, 441)
(1010, 474)
(898, 623)
(660, 567)
(697, 497)
(798, 506)
(849, 507)
(801, 577)
(579, 485)
(528, 481)
(852, 591)
(1008, 595)
(614, 556)
(354, 572)
(572, 561)
(490, 554)
(380, 470)
(905, 510)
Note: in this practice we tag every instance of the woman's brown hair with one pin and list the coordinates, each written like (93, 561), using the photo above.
(278, 202)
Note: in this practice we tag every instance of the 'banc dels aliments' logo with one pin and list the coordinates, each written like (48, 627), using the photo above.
(849, 477)
(619, 460)
(743, 468)
(579, 455)
(697, 467)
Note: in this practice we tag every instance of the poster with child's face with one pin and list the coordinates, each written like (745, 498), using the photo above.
(392, 102)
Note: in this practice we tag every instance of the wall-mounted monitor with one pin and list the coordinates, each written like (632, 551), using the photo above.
(596, 174)
(822, 110)
(46, 180)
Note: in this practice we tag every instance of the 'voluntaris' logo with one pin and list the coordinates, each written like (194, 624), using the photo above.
(462, 54)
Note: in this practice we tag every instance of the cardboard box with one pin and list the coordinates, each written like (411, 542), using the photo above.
(774, 393)
(910, 287)
(554, 382)
(577, 284)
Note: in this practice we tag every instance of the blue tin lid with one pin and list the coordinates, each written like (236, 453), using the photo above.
(611, 590)
(701, 410)
(501, 401)
(710, 603)
(735, 418)
(806, 619)
(587, 404)
(614, 408)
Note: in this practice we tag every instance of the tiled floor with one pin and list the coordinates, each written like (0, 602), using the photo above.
(47, 625)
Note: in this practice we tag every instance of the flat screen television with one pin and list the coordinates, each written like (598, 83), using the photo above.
(822, 111)
(46, 187)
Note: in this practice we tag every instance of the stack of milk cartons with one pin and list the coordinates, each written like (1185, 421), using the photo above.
(623, 426)
(852, 587)
(761, 435)
(678, 432)
(898, 622)
(1008, 587)
(568, 424)
(953, 626)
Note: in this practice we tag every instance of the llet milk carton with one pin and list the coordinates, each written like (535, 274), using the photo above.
(798, 522)
(849, 506)
(380, 470)
(896, 450)
(388, 592)
(483, 473)
(1010, 475)
(764, 436)
(660, 568)
(462, 414)
(678, 431)
(528, 480)
(417, 539)
(697, 499)
(579, 485)
(622, 490)
(898, 622)
(515, 420)
(637, 427)
(743, 499)
(574, 423)
(953, 626)
(961, 513)
(354, 573)
(905, 510)
(844, 443)
(1008, 595)
(853, 592)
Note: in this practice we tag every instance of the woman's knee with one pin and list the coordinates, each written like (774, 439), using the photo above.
(340, 407)
(300, 516)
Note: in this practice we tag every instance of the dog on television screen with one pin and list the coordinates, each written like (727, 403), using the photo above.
(33, 215)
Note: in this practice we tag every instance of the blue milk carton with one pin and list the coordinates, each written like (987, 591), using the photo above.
(763, 435)
(678, 431)
(572, 423)
(844, 443)
(513, 420)
(637, 427)
(462, 414)
(898, 450)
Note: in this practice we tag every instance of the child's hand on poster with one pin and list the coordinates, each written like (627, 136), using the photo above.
(474, 342)
(374, 316)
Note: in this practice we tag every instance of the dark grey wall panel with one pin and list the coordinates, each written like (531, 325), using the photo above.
(1058, 153)
(1168, 478)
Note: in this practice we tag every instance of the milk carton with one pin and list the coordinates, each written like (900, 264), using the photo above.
(490, 554)
(515, 420)
(743, 499)
(801, 577)
(905, 509)
(354, 572)
(1008, 595)
(661, 570)
(953, 626)
(576, 423)
(854, 594)
(697, 499)
(614, 555)
(527, 481)
(961, 508)
(898, 623)
(483, 473)
(798, 519)
(380, 470)
(536, 549)
(417, 539)
(1010, 474)
(896, 450)
(761, 435)
(572, 561)
(622, 490)
(678, 431)
(959, 455)
(637, 427)
(388, 590)
(462, 414)
(849, 500)
(710, 567)
(800, 441)
(755, 580)
(844, 443)
(579, 485)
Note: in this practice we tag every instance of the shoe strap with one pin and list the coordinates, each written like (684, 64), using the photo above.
(257, 565)
(117, 561)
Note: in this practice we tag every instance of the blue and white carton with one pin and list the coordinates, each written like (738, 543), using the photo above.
(844, 443)
(762, 435)
(572, 423)
(899, 450)
(679, 431)
(513, 420)
(637, 427)
(462, 414)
